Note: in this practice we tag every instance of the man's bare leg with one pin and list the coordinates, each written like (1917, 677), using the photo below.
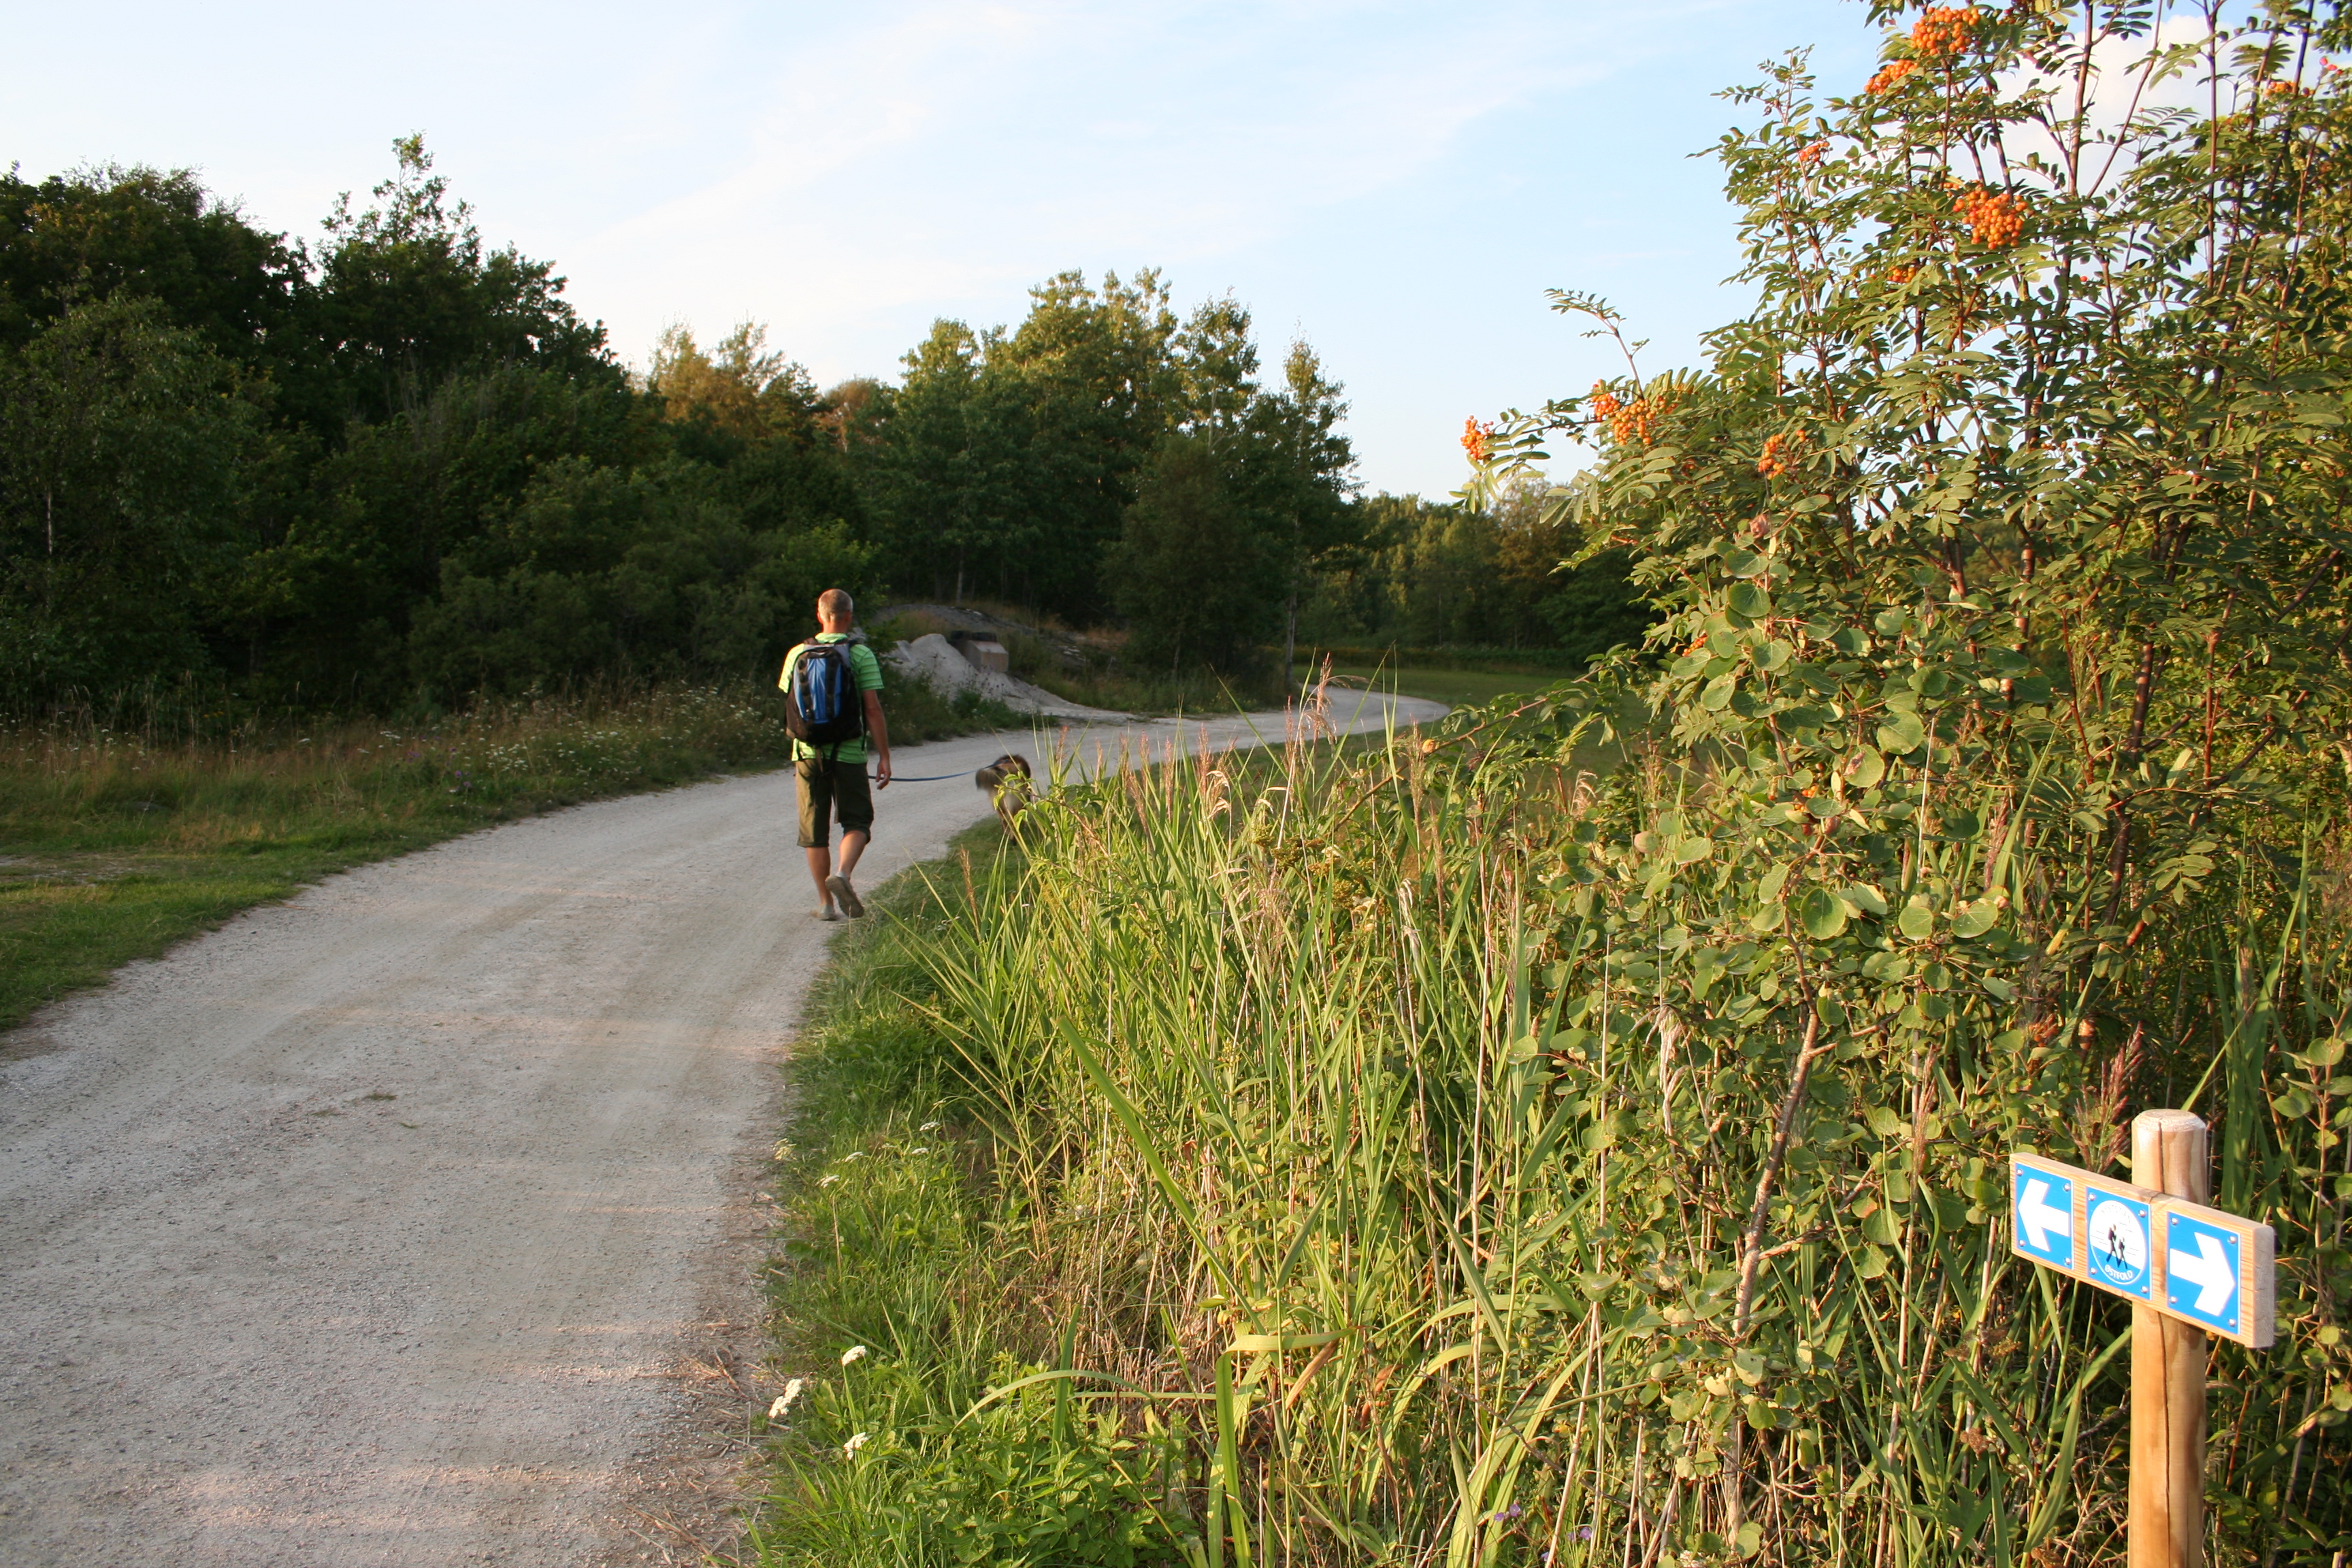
(820, 865)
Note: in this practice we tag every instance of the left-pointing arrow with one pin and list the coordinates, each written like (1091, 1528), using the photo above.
(2041, 1217)
(2209, 1270)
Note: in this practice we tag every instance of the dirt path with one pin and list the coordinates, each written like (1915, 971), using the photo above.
(411, 1221)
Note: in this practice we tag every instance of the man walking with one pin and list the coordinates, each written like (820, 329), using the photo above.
(833, 704)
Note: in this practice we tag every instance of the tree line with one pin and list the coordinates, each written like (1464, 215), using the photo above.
(401, 466)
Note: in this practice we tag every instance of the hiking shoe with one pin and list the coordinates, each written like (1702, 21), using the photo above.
(845, 895)
(824, 914)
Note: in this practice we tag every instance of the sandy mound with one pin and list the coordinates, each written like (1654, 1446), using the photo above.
(935, 660)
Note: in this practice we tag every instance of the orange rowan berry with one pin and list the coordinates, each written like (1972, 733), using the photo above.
(1638, 420)
(1473, 439)
(1945, 30)
(1891, 73)
(1604, 402)
(1779, 452)
(1902, 274)
(1811, 155)
(1994, 220)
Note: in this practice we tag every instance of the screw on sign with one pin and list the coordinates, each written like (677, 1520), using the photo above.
(2188, 1271)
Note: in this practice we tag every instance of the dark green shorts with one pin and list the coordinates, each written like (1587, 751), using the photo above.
(832, 792)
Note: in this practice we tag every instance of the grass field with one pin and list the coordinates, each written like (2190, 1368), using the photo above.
(115, 843)
(1462, 687)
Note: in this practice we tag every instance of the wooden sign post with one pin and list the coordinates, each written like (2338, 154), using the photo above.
(2188, 1271)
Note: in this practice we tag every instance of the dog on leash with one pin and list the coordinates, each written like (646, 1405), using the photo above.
(1006, 783)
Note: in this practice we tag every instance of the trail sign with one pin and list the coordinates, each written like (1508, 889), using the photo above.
(2187, 1261)
(2042, 1226)
(2121, 1251)
(2218, 1272)
(2188, 1271)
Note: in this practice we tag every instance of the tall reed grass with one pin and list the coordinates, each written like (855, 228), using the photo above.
(1447, 1157)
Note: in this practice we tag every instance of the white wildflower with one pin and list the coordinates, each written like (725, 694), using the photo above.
(850, 1448)
(784, 1400)
(855, 1352)
(919, 1151)
(929, 1127)
(827, 1181)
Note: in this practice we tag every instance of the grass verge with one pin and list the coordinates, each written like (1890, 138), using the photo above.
(116, 843)
(937, 1420)
(1353, 1156)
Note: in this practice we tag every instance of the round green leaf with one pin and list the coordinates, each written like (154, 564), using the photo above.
(1976, 919)
(1902, 733)
(1690, 850)
(1917, 920)
(1822, 914)
(1750, 600)
(1771, 656)
(1864, 899)
(1716, 694)
(1865, 768)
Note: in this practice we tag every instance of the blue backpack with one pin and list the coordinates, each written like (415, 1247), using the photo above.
(822, 706)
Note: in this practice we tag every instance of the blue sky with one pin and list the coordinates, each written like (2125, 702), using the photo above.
(1398, 183)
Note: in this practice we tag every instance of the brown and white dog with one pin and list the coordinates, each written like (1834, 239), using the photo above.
(1006, 783)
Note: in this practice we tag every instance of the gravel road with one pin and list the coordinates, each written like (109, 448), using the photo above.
(412, 1221)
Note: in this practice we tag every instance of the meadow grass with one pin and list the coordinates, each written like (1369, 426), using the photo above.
(118, 839)
(1455, 687)
(1299, 1159)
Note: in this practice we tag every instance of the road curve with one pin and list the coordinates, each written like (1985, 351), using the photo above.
(366, 1230)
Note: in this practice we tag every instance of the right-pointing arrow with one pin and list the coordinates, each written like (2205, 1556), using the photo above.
(2041, 1217)
(2209, 1271)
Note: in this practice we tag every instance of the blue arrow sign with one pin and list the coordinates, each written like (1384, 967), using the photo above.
(2041, 1209)
(2165, 1252)
(2116, 1236)
(2201, 1272)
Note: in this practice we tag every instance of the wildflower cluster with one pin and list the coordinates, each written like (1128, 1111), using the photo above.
(1994, 218)
(1945, 30)
(1781, 453)
(1475, 436)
